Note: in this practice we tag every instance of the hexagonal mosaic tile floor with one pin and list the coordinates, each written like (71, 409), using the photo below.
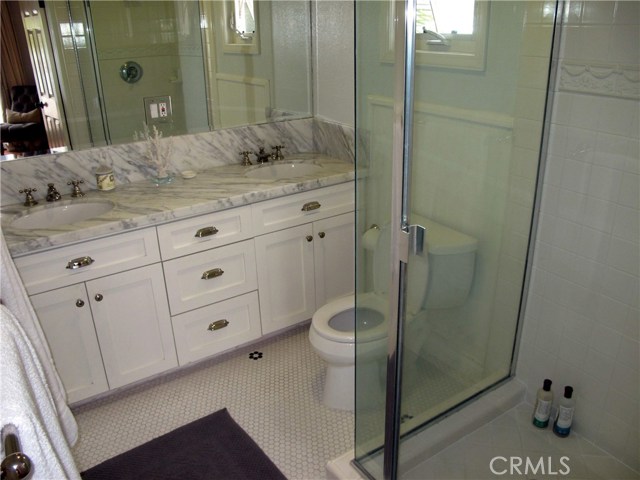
(273, 389)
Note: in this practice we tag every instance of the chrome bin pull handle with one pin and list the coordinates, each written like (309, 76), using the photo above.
(217, 325)
(213, 273)
(307, 207)
(206, 232)
(79, 263)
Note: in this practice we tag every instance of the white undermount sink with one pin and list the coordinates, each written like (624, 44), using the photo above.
(280, 171)
(60, 213)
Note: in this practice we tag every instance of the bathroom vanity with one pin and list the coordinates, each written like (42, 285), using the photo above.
(197, 268)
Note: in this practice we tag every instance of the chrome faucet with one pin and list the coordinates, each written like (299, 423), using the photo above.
(52, 194)
(262, 156)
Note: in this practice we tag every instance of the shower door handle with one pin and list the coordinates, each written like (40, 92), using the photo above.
(416, 239)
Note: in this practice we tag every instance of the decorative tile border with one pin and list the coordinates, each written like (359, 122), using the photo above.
(613, 80)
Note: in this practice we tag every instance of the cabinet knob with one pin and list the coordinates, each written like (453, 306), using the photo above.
(309, 238)
(79, 303)
(321, 234)
(98, 297)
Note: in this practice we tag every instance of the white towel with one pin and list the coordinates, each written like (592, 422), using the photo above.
(27, 403)
(14, 296)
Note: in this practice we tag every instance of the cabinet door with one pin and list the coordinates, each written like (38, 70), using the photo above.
(66, 320)
(285, 277)
(334, 257)
(132, 320)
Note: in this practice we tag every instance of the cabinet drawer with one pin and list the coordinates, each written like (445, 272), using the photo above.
(49, 270)
(207, 231)
(302, 208)
(207, 277)
(216, 328)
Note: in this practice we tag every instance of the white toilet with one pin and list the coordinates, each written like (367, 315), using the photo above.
(440, 279)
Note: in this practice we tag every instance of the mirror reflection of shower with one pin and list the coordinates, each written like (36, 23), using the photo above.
(195, 73)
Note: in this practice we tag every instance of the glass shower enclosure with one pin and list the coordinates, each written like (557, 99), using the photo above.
(450, 107)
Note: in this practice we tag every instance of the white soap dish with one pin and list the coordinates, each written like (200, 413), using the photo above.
(188, 174)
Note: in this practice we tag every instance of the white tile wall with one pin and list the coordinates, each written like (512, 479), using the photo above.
(333, 64)
(582, 321)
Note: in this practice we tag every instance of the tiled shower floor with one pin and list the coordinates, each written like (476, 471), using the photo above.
(512, 437)
(275, 397)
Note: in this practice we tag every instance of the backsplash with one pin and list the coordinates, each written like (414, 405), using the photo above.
(190, 152)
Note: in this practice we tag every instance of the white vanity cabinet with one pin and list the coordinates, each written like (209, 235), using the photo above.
(110, 324)
(308, 262)
(119, 309)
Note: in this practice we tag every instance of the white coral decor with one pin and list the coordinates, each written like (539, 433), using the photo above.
(157, 152)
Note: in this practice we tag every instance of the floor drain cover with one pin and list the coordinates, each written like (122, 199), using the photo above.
(255, 355)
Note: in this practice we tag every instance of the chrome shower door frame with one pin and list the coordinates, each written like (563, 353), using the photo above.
(405, 35)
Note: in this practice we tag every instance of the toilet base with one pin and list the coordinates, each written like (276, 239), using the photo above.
(339, 388)
(340, 381)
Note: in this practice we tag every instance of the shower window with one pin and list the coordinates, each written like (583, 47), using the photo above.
(445, 17)
(451, 38)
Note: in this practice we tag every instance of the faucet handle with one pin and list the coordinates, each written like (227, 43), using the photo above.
(277, 154)
(245, 158)
(29, 201)
(76, 188)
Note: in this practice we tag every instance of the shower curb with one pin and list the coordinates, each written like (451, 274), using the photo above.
(439, 436)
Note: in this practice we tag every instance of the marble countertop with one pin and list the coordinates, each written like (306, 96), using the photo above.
(144, 204)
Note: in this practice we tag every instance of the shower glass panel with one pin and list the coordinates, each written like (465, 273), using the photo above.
(477, 118)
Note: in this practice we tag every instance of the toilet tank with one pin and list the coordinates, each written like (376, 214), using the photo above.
(451, 259)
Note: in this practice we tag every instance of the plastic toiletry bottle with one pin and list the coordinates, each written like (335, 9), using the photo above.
(562, 425)
(542, 410)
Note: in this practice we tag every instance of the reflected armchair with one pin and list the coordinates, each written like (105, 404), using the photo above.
(24, 131)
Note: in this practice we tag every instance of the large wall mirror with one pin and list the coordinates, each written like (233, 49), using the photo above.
(102, 68)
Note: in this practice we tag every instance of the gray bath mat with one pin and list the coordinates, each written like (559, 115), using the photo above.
(213, 447)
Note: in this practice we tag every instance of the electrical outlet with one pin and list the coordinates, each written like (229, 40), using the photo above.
(157, 109)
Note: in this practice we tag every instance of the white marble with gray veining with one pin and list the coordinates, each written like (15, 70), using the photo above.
(190, 152)
(140, 204)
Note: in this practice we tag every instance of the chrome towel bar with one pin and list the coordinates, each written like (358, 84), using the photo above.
(16, 465)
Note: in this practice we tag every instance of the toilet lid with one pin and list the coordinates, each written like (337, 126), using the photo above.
(335, 321)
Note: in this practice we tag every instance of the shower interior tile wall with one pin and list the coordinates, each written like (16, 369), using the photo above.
(582, 320)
